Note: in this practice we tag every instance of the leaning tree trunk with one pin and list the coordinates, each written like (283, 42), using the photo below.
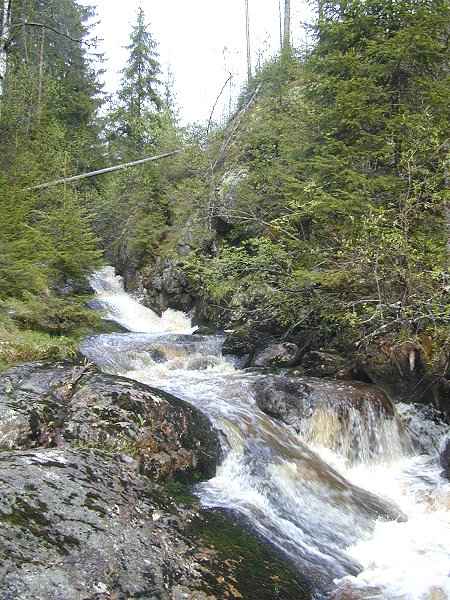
(287, 24)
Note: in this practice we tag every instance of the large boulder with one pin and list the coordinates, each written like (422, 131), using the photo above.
(43, 406)
(81, 525)
(293, 399)
(78, 525)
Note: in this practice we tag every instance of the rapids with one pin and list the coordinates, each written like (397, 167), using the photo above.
(376, 527)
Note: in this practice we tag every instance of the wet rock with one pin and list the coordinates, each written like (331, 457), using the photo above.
(351, 418)
(76, 524)
(249, 569)
(46, 406)
(293, 399)
(244, 342)
(206, 330)
(86, 518)
(444, 456)
(286, 399)
(425, 426)
(239, 343)
(277, 355)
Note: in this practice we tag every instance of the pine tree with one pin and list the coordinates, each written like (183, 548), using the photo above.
(135, 215)
(139, 97)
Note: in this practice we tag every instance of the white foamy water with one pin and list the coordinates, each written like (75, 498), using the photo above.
(122, 308)
(326, 509)
(410, 560)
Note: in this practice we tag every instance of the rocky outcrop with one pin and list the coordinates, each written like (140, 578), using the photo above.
(94, 504)
(354, 419)
(79, 525)
(226, 201)
(402, 371)
(75, 405)
(166, 286)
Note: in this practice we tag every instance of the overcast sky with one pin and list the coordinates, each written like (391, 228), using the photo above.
(202, 41)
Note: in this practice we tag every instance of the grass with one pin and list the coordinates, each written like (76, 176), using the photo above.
(23, 345)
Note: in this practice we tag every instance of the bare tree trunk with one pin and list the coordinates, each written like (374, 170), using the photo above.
(135, 163)
(5, 21)
(447, 186)
(287, 24)
(280, 19)
(247, 34)
(41, 76)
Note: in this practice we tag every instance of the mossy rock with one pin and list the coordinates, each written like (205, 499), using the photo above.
(244, 566)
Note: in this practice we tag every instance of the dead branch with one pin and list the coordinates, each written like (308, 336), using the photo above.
(135, 163)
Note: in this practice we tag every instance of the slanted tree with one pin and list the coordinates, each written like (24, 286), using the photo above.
(247, 37)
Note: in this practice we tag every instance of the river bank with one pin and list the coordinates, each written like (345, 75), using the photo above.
(253, 483)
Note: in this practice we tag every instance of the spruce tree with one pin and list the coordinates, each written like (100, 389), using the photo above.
(139, 97)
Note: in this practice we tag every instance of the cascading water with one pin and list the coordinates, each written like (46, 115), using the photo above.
(128, 312)
(335, 518)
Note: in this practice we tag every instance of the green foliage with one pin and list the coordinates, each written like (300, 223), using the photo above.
(73, 247)
(48, 103)
(53, 315)
(338, 224)
(136, 117)
(18, 345)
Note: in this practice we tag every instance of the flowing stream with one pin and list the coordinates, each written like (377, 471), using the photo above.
(373, 527)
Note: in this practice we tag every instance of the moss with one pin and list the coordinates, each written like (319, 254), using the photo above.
(245, 567)
(181, 493)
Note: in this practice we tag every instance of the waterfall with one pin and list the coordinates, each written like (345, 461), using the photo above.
(332, 497)
(128, 312)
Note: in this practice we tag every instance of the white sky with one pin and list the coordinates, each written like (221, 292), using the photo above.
(202, 41)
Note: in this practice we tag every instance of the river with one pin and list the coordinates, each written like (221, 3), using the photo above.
(331, 516)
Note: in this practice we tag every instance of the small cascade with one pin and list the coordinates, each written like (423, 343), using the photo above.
(359, 437)
(120, 307)
(345, 499)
